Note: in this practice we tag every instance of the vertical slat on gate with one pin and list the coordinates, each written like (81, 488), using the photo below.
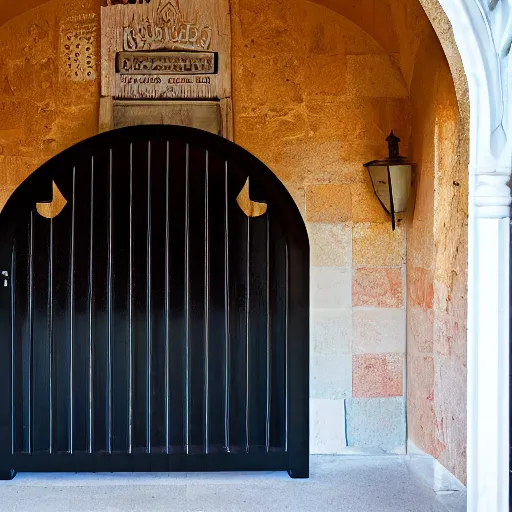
(158, 193)
(257, 343)
(238, 224)
(28, 387)
(100, 301)
(175, 246)
(167, 312)
(140, 296)
(16, 348)
(121, 270)
(82, 416)
(41, 342)
(61, 342)
(277, 330)
(149, 319)
(22, 332)
(216, 284)
(196, 289)
(12, 399)
(227, 316)
(187, 301)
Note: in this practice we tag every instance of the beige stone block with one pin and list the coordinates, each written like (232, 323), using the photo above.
(331, 244)
(361, 151)
(298, 194)
(270, 81)
(420, 330)
(327, 426)
(365, 205)
(375, 76)
(340, 119)
(15, 169)
(386, 114)
(269, 133)
(306, 160)
(331, 331)
(325, 76)
(328, 203)
(420, 243)
(377, 245)
(261, 27)
(5, 194)
(331, 287)
(378, 331)
(331, 376)
(450, 402)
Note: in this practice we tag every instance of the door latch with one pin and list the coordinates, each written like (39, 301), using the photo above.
(5, 274)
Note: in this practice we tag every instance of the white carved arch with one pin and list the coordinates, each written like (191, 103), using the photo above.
(482, 30)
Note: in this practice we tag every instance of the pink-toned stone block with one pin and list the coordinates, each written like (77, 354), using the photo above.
(377, 375)
(424, 428)
(377, 287)
(420, 287)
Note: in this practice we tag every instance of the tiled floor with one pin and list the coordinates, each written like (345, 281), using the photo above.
(346, 483)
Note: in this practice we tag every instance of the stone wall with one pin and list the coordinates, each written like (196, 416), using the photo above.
(436, 254)
(315, 97)
(49, 91)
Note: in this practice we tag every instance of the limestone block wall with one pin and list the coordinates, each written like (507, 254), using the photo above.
(314, 97)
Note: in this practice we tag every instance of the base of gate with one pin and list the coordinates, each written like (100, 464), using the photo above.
(7, 475)
(297, 467)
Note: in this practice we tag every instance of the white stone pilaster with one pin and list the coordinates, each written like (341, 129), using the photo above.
(482, 32)
(488, 340)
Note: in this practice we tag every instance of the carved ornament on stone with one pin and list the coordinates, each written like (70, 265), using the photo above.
(170, 30)
(78, 36)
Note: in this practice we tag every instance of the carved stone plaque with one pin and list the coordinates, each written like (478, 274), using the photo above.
(196, 35)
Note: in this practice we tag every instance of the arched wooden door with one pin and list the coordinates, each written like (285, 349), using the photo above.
(152, 325)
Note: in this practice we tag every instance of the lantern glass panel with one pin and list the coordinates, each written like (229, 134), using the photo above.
(401, 177)
(380, 180)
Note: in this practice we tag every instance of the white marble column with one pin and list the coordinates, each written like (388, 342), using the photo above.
(488, 339)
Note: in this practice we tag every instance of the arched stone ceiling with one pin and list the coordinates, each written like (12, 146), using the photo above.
(374, 16)
(11, 9)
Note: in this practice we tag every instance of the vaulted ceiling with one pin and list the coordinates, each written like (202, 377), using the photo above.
(376, 17)
(373, 16)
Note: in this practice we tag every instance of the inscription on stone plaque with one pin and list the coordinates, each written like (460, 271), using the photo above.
(78, 42)
(169, 63)
(172, 49)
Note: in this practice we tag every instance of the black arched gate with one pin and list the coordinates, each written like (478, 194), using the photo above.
(152, 325)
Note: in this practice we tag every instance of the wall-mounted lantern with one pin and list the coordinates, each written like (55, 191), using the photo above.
(392, 179)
